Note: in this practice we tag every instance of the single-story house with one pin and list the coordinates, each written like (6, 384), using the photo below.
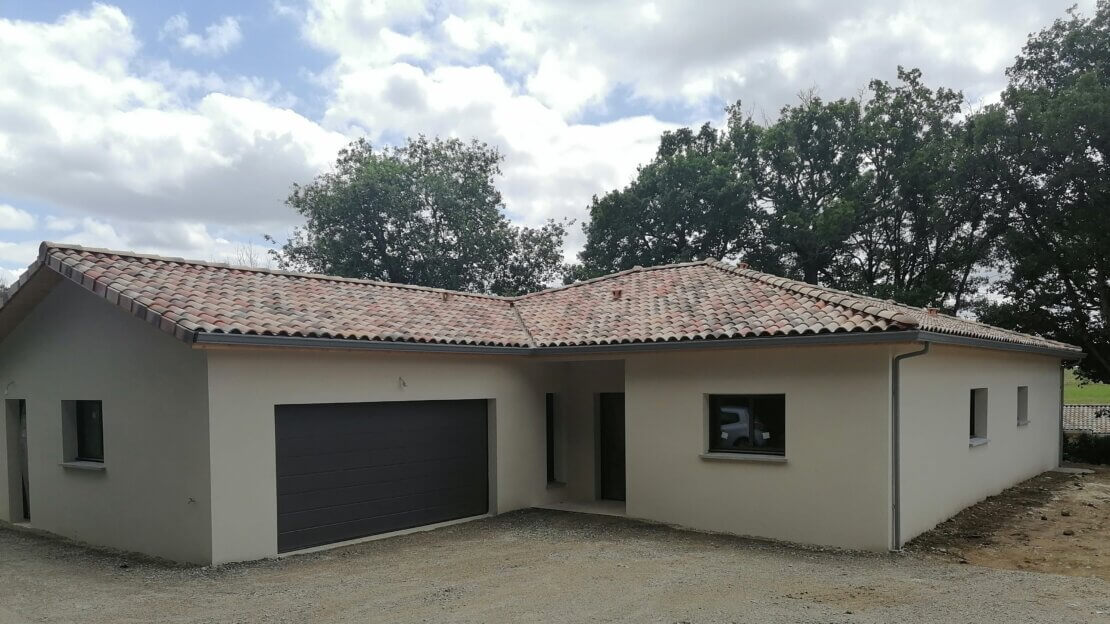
(209, 413)
(1087, 419)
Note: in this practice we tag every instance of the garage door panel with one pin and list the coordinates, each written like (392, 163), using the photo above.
(449, 474)
(368, 526)
(435, 432)
(295, 483)
(443, 500)
(351, 470)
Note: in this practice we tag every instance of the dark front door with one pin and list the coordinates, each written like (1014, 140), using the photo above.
(612, 446)
(23, 464)
(349, 470)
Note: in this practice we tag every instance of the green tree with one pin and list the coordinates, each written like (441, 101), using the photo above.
(1056, 254)
(425, 213)
(694, 200)
(929, 212)
(810, 182)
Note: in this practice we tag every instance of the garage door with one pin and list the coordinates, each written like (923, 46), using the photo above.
(350, 470)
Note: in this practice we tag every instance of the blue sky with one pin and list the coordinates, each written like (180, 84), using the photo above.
(179, 127)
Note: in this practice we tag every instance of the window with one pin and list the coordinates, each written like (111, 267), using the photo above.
(550, 401)
(977, 417)
(1023, 405)
(747, 423)
(83, 431)
(90, 431)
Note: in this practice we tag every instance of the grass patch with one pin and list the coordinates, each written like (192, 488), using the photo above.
(1086, 394)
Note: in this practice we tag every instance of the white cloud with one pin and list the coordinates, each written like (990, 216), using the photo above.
(19, 254)
(85, 132)
(175, 238)
(12, 218)
(524, 75)
(135, 152)
(218, 38)
(60, 224)
(9, 276)
(566, 86)
(552, 166)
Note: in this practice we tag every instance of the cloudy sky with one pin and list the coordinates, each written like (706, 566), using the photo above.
(178, 127)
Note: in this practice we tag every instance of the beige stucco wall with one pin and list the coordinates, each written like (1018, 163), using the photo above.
(245, 385)
(941, 474)
(834, 487)
(153, 495)
(577, 400)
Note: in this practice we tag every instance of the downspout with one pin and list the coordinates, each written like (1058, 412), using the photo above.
(896, 444)
(1061, 458)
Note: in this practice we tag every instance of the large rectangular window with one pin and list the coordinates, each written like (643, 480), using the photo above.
(89, 427)
(747, 423)
(977, 416)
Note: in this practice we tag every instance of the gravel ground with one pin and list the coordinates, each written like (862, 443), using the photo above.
(534, 566)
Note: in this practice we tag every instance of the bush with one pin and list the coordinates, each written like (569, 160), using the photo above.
(1087, 448)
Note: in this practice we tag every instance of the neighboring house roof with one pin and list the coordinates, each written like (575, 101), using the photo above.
(695, 301)
(1089, 418)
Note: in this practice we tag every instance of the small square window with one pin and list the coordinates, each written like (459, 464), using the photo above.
(1023, 405)
(977, 418)
(83, 431)
(747, 423)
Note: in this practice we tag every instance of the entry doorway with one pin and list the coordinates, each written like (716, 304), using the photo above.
(611, 446)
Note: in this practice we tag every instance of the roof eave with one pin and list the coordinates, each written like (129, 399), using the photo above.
(845, 338)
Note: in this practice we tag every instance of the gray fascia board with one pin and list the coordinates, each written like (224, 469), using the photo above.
(244, 340)
(983, 343)
(737, 343)
(885, 337)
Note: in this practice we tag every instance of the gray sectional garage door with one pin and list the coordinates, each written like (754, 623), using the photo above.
(349, 470)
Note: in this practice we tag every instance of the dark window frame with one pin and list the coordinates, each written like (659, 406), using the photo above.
(549, 407)
(766, 424)
(1022, 405)
(88, 428)
(978, 426)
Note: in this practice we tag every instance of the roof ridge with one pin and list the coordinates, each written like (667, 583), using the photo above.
(523, 325)
(608, 276)
(828, 295)
(46, 245)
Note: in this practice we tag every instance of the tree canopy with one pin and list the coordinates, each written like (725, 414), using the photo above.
(1056, 252)
(425, 213)
(903, 192)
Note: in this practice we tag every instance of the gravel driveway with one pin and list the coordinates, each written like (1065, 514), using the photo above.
(535, 566)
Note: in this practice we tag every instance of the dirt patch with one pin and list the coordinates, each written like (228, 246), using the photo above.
(1055, 522)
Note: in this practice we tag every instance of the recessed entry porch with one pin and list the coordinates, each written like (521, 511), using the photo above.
(585, 438)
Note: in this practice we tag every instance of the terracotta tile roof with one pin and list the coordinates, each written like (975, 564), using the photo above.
(693, 301)
(1089, 418)
(700, 300)
(216, 298)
